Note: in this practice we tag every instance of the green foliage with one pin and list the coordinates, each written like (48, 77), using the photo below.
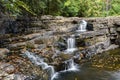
(37, 6)
(115, 8)
(81, 8)
(15, 7)
(71, 8)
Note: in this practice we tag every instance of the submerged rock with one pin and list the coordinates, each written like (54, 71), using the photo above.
(109, 60)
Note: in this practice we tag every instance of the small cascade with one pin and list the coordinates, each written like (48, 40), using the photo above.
(71, 44)
(70, 66)
(40, 62)
(82, 26)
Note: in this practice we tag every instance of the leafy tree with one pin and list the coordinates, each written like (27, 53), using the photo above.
(115, 8)
(71, 8)
(15, 7)
(81, 8)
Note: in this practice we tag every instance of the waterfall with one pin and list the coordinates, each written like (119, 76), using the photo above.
(82, 26)
(70, 66)
(40, 62)
(71, 44)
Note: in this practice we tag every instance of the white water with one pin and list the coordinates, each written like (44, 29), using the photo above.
(70, 66)
(40, 62)
(71, 44)
(82, 26)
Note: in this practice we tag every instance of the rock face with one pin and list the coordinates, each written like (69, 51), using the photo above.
(51, 29)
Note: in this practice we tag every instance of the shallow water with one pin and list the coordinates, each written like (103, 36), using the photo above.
(89, 73)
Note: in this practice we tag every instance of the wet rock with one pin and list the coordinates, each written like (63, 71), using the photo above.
(60, 45)
(3, 52)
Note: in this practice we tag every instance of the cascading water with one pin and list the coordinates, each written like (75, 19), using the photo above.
(82, 26)
(40, 62)
(71, 44)
(70, 66)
